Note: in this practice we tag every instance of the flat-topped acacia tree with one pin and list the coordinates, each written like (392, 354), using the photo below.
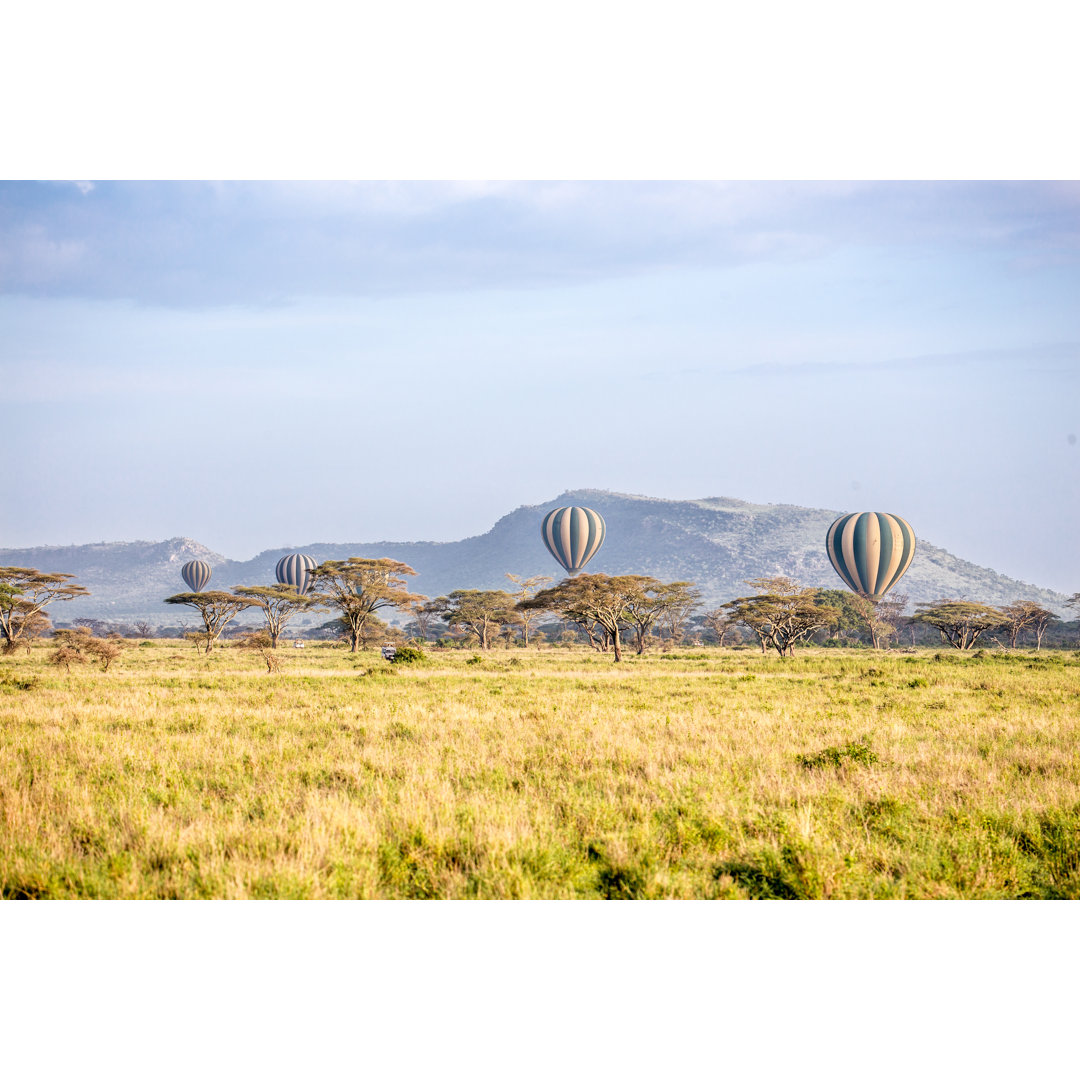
(24, 591)
(782, 614)
(358, 587)
(216, 608)
(594, 599)
(279, 603)
(481, 611)
(960, 622)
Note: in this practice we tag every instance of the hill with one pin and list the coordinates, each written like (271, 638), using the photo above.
(716, 542)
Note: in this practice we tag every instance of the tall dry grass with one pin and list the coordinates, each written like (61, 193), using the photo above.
(713, 773)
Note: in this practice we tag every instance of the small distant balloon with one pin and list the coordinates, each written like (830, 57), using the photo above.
(196, 574)
(295, 570)
(573, 534)
(870, 551)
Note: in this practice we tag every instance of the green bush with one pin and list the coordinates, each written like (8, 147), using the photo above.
(407, 654)
(858, 753)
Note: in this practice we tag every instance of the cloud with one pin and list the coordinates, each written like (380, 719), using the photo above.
(198, 244)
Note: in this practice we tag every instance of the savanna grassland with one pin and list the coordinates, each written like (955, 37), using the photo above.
(706, 773)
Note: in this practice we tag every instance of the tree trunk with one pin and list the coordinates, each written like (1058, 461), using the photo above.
(615, 645)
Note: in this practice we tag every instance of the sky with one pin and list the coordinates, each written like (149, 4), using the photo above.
(257, 365)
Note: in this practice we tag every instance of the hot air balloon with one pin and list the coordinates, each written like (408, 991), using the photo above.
(573, 534)
(293, 570)
(870, 551)
(196, 573)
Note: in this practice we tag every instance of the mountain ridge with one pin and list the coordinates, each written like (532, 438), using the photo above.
(718, 542)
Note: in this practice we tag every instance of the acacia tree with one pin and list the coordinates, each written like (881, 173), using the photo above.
(527, 587)
(483, 612)
(1026, 615)
(34, 627)
(279, 603)
(424, 614)
(592, 599)
(881, 618)
(657, 604)
(261, 641)
(359, 587)
(720, 622)
(216, 609)
(24, 591)
(78, 645)
(960, 622)
(890, 614)
(677, 601)
(781, 614)
(1074, 603)
(642, 609)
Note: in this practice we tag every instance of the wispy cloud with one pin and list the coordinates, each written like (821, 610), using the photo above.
(198, 244)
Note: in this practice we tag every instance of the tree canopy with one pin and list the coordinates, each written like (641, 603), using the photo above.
(24, 591)
(960, 622)
(481, 611)
(358, 587)
(594, 599)
(216, 608)
(781, 614)
(1026, 615)
(279, 603)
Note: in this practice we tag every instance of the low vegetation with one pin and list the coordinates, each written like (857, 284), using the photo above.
(701, 773)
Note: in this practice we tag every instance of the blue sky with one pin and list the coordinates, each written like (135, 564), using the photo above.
(263, 364)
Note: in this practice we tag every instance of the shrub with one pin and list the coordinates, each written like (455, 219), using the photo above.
(407, 654)
(858, 753)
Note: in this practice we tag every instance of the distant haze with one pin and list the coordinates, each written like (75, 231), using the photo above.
(264, 365)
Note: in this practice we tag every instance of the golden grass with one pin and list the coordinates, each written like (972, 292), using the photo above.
(715, 773)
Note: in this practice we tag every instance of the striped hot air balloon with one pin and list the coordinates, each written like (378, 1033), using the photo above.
(196, 574)
(294, 570)
(573, 534)
(870, 551)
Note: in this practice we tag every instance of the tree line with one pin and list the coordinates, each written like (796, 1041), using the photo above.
(611, 613)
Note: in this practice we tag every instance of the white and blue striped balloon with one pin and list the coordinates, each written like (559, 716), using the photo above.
(870, 551)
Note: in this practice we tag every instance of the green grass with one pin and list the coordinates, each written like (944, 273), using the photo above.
(708, 773)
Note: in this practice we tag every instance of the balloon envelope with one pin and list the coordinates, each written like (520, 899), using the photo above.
(294, 570)
(573, 534)
(196, 574)
(870, 551)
